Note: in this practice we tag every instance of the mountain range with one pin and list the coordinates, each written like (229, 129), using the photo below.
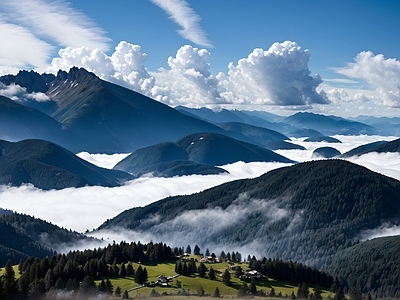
(314, 212)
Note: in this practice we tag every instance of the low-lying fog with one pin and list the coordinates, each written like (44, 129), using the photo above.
(88, 207)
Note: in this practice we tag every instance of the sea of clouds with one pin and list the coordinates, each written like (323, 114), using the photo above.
(88, 207)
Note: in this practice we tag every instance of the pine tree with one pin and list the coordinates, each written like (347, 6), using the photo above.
(242, 292)
(129, 270)
(201, 270)
(317, 292)
(125, 295)
(211, 274)
(9, 281)
(122, 271)
(226, 277)
(117, 292)
(188, 250)
(253, 287)
(196, 250)
(138, 274)
(217, 293)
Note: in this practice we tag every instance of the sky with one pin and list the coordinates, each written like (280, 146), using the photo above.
(331, 57)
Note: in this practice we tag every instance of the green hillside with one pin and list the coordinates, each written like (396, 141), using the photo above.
(306, 212)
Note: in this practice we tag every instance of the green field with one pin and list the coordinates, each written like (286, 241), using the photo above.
(193, 284)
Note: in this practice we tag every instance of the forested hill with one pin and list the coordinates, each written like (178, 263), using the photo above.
(371, 266)
(23, 235)
(307, 212)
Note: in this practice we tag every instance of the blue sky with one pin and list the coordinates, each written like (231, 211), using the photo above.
(352, 45)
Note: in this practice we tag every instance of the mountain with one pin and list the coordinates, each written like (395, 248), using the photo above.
(326, 139)
(283, 145)
(363, 149)
(19, 122)
(379, 147)
(23, 236)
(326, 152)
(226, 116)
(259, 135)
(306, 212)
(329, 125)
(384, 125)
(197, 153)
(101, 117)
(305, 133)
(217, 150)
(163, 160)
(49, 166)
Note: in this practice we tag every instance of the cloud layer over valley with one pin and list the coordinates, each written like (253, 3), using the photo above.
(88, 207)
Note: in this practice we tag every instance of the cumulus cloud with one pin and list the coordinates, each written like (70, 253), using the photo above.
(18, 93)
(189, 81)
(383, 74)
(182, 14)
(277, 76)
(125, 66)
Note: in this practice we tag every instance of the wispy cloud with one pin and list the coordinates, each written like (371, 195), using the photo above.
(42, 26)
(182, 14)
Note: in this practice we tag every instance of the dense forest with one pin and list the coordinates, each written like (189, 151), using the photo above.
(371, 266)
(322, 208)
(23, 235)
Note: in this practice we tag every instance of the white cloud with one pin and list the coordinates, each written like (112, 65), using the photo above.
(88, 207)
(57, 20)
(13, 54)
(383, 74)
(124, 67)
(182, 14)
(277, 76)
(41, 26)
(18, 93)
(189, 81)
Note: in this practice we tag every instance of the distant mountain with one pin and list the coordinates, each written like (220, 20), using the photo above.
(378, 147)
(259, 135)
(216, 150)
(392, 146)
(283, 145)
(163, 160)
(226, 116)
(49, 166)
(305, 133)
(23, 236)
(384, 125)
(326, 152)
(363, 149)
(197, 153)
(99, 116)
(306, 212)
(328, 125)
(19, 122)
(326, 139)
